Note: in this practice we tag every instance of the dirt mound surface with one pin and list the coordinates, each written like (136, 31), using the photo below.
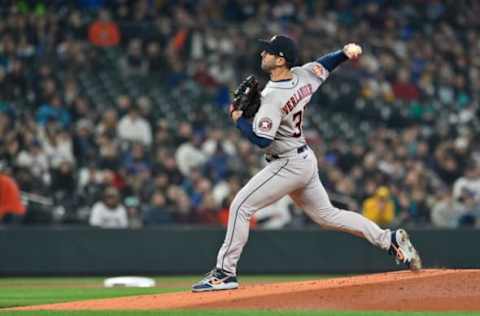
(427, 290)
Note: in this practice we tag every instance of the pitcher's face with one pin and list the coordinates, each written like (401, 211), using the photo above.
(268, 61)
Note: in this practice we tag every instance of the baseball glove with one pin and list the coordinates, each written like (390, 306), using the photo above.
(246, 97)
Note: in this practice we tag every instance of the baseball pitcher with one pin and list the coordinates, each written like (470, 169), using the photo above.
(273, 120)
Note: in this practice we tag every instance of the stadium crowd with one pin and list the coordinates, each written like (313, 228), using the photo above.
(150, 141)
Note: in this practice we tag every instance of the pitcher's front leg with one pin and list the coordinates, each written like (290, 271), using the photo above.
(265, 188)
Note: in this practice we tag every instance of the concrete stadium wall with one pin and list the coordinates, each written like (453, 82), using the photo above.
(86, 251)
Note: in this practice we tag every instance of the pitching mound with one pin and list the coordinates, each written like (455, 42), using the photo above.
(428, 290)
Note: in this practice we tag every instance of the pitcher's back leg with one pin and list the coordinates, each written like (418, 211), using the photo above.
(315, 201)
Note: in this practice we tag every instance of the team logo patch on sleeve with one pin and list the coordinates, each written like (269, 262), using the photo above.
(265, 124)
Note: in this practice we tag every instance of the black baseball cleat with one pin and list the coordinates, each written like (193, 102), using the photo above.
(404, 251)
(216, 280)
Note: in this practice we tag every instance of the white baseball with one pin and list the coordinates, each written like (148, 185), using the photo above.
(352, 50)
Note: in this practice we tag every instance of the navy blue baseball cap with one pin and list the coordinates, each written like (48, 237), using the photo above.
(282, 46)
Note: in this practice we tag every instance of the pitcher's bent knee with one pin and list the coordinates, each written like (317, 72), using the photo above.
(241, 209)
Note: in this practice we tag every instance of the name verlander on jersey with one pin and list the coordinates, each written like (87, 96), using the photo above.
(300, 94)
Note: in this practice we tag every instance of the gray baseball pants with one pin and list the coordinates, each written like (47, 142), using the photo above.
(297, 175)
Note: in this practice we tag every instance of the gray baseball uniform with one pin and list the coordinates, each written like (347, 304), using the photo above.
(292, 169)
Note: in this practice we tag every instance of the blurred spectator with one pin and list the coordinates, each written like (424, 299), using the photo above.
(446, 212)
(134, 212)
(91, 184)
(134, 128)
(136, 161)
(134, 63)
(217, 166)
(80, 109)
(181, 203)
(206, 212)
(156, 61)
(109, 157)
(418, 209)
(57, 144)
(403, 88)
(215, 139)
(163, 136)
(379, 207)
(84, 148)
(108, 124)
(109, 213)
(104, 32)
(63, 181)
(189, 155)
(168, 166)
(35, 160)
(225, 188)
(468, 185)
(71, 92)
(157, 212)
(203, 77)
(275, 216)
(12, 209)
(201, 189)
(53, 111)
(223, 216)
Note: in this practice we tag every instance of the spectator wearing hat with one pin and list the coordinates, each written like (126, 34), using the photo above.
(380, 207)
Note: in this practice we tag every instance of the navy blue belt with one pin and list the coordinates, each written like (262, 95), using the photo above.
(300, 150)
